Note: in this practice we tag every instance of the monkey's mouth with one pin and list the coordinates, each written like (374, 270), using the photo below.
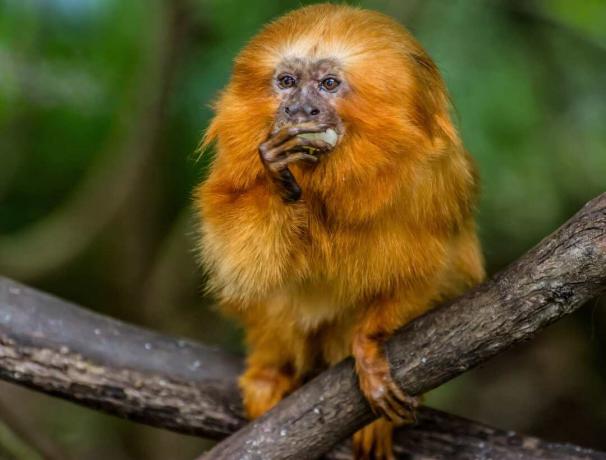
(329, 136)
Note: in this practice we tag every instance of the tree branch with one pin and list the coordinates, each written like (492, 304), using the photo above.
(57, 348)
(555, 278)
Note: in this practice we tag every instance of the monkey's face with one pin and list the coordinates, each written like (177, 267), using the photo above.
(356, 71)
(308, 91)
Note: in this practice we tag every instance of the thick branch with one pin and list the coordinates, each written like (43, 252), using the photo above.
(57, 348)
(561, 273)
(60, 349)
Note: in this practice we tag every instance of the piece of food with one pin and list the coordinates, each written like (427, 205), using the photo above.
(329, 136)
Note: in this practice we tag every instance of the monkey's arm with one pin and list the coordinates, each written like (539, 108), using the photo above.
(378, 321)
(251, 240)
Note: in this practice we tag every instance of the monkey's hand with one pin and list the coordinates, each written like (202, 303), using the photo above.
(383, 394)
(282, 148)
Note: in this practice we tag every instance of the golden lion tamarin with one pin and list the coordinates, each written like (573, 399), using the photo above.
(339, 205)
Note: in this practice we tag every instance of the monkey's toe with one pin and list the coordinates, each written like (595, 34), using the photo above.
(386, 398)
(374, 441)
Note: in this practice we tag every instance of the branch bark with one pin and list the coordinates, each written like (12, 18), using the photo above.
(55, 347)
(555, 278)
(58, 348)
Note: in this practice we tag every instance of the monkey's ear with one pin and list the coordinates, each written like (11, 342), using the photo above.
(433, 104)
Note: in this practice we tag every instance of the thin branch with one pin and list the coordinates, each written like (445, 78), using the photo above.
(438, 435)
(57, 348)
(552, 280)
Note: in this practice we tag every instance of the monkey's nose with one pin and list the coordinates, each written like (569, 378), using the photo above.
(314, 112)
(304, 111)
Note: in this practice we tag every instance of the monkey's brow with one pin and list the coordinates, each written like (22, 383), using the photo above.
(299, 65)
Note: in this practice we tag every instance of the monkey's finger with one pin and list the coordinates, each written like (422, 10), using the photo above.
(296, 143)
(400, 396)
(398, 415)
(286, 133)
(293, 146)
(301, 156)
(291, 130)
(381, 407)
(289, 188)
(388, 406)
(402, 403)
(403, 413)
(318, 144)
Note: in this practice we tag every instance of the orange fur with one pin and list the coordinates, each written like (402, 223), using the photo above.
(385, 228)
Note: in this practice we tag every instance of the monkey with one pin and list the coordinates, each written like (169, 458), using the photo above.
(338, 207)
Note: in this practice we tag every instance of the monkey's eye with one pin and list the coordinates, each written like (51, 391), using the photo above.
(286, 81)
(330, 84)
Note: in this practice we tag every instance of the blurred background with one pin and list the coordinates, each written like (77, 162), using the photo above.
(102, 105)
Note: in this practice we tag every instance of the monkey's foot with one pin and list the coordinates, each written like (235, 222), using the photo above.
(263, 387)
(374, 441)
(383, 394)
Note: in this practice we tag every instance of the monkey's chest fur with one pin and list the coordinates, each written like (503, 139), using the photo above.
(316, 271)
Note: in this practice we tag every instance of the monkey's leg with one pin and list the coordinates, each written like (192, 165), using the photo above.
(264, 385)
(284, 147)
(374, 441)
(383, 394)
(272, 366)
(385, 397)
